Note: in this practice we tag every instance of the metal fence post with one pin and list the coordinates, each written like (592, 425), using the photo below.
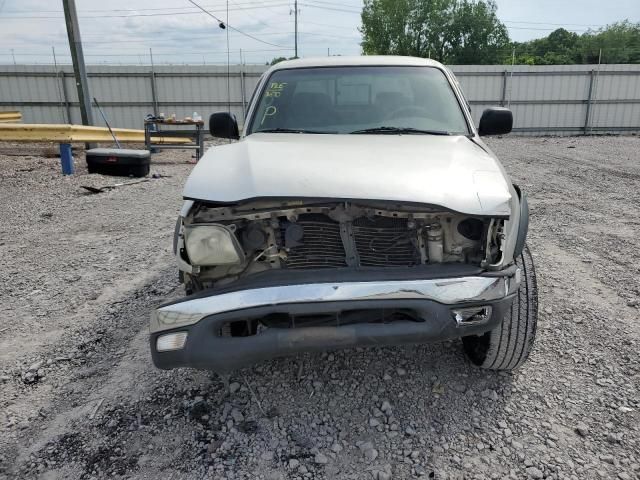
(65, 96)
(66, 159)
(244, 96)
(503, 99)
(154, 96)
(587, 118)
(611, 89)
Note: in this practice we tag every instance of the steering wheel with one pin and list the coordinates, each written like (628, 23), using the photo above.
(409, 111)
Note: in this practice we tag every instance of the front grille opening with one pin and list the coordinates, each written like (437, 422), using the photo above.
(245, 328)
(321, 245)
(385, 242)
(379, 242)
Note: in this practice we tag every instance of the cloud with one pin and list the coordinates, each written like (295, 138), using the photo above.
(111, 33)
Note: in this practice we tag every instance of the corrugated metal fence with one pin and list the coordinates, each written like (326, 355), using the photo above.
(126, 93)
(555, 99)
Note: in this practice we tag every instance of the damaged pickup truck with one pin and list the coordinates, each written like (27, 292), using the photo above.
(359, 207)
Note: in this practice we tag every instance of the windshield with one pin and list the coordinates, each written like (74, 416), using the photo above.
(359, 100)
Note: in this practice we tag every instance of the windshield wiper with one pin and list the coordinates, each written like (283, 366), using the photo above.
(407, 130)
(291, 130)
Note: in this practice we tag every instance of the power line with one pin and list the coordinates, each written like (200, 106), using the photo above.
(327, 25)
(235, 29)
(133, 15)
(336, 9)
(220, 22)
(169, 39)
(556, 24)
(144, 44)
(337, 4)
(328, 35)
(246, 6)
(544, 29)
(133, 55)
(249, 14)
(155, 54)
(183, 8)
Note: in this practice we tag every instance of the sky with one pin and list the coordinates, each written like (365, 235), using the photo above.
(177, 32)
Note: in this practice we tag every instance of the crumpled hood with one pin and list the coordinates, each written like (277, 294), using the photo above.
(451, 172)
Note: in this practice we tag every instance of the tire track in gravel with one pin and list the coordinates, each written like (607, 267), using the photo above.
(589, 214)
(91, 353)
(420, 411)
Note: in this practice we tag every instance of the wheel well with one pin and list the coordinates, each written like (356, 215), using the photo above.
(523, 225)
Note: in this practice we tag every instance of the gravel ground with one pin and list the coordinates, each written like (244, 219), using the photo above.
(79, 397)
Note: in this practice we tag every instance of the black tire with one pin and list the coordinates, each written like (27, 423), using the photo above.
(508, 346)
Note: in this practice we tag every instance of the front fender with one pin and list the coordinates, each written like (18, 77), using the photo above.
(523, 224)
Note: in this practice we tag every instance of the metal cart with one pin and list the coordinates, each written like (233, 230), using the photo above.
(178, 128)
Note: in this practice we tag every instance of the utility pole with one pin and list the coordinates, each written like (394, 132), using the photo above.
(513, 62)
(295, 12)
(14, 57)
(79, 70)
(58, 86)
(228, 65)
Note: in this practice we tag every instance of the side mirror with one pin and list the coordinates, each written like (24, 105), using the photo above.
(496, 121)
(223, 125)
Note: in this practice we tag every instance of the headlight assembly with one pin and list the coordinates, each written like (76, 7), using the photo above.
(209, 245)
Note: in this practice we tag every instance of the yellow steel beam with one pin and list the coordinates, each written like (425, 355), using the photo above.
(10, 117)
(24, 132)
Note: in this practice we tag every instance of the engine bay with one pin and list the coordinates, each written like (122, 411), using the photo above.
(299, 235)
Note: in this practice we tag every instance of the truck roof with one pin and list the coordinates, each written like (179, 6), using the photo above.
(340, 61)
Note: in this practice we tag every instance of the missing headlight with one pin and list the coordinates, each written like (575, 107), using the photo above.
(471, 228)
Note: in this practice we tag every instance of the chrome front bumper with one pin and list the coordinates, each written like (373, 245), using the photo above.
(449, 291)
(189, 332)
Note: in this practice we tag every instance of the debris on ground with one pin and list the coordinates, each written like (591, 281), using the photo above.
(80, 398)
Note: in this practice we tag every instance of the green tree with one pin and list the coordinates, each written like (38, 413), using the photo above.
(478, 35)
(559, 47)
(451, 31)
(280, 59)
(619, 43)
(276, 60)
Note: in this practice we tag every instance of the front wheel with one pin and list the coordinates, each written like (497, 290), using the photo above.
(508, 346)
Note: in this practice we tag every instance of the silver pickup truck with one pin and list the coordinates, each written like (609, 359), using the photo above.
(359, 207)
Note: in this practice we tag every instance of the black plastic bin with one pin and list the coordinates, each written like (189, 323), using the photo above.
(119, 161)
